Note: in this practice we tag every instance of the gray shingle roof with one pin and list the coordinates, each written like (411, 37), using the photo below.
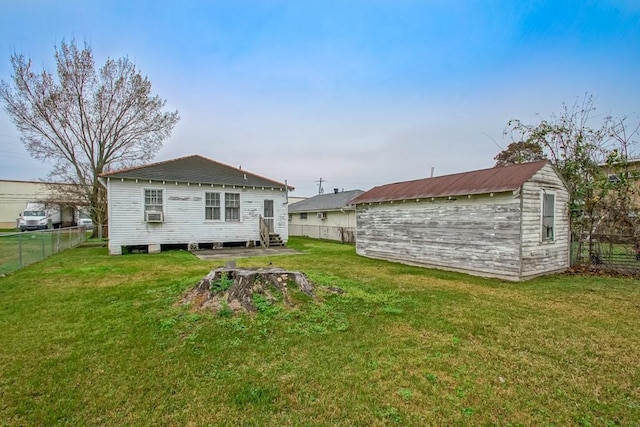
(195, 169)
(325, 202)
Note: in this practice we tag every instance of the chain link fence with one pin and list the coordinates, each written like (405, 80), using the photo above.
(613, 252)
(17, 250)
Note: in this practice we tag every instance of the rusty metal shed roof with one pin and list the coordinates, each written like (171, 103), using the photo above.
(493, 180)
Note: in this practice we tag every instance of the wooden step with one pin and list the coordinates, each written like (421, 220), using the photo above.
(275, 240)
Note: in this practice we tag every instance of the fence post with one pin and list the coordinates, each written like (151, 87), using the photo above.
(20, 250)
(44, 251)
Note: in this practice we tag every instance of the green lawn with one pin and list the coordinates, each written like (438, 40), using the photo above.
(21, 249)
(92, 339)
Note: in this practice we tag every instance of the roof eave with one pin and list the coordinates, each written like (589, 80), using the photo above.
(434, 196)
(274, 184)
(351, 207)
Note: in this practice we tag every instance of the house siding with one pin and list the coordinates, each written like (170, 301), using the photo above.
(184, 214)
(330, 228)
(478, 235)
(540, 257)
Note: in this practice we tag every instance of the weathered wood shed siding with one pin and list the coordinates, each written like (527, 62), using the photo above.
(184, 214)
(480, 234)
(494, 235)
(539, 257)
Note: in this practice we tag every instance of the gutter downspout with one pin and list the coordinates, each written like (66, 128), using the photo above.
(348, 219)
(286, 192)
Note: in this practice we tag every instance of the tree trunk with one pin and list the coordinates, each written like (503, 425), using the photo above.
(236, 288)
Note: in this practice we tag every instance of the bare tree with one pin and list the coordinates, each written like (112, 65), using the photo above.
(86, 121)
(588, 153)
(570, 142)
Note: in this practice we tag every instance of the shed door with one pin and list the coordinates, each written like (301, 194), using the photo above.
(268, 214)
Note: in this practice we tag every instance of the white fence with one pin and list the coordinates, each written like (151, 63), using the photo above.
(341, 234)
(17, 250)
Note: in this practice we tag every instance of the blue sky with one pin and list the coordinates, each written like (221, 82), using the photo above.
(360, 93)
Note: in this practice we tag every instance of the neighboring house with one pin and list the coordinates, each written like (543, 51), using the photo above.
(508, 222)
(633, 173)
(618, 219)
(193, 202)
(295, 199)
(326, 216)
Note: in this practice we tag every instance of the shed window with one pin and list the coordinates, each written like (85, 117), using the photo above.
(548, 216)
(303, 215)
(153, 200)
(232, 207)
(212, 206)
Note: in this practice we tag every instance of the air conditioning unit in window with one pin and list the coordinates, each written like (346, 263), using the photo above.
(153, 216)
(322, 215)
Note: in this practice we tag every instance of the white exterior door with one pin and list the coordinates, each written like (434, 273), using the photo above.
(268, 214)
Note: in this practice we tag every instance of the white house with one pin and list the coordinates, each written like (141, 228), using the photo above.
(508, 222)
(325, 216)
(193, 202)
(295, 199)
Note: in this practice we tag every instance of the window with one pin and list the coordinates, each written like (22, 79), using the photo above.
(232, 207)
(303, 215)
(212, 206)
(548, 216)
(153, 200)
(290, 217)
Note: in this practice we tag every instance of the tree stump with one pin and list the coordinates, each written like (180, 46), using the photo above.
(236, 287)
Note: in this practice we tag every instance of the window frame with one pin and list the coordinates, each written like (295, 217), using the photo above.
(303, 215)
(228, 208)
(210, 206)
(545, 218)
(147, 206)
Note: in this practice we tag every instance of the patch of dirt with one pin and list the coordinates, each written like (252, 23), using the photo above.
(603, 271)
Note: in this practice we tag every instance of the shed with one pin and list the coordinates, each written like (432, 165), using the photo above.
(507, 222)
(193, 202)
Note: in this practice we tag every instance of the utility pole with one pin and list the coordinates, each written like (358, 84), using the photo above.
(320, 189)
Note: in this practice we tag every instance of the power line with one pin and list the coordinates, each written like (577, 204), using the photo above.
(11, 143)
(9, 136)
(14, 154)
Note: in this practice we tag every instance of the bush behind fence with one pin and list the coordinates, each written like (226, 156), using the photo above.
(17, 250)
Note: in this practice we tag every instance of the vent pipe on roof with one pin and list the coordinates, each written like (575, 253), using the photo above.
(432, 170)
(335, 190)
